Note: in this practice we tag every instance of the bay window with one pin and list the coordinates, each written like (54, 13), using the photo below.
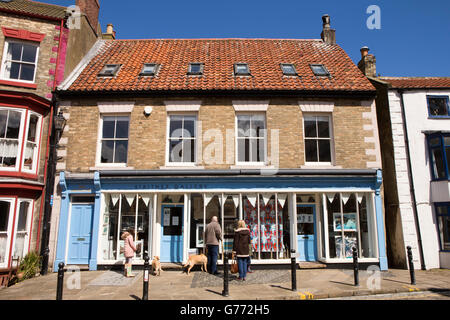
(21, 238)
(12, 123)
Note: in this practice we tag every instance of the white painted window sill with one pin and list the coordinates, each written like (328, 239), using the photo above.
(101, 168)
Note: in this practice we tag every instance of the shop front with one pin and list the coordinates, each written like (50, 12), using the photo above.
(319, 215)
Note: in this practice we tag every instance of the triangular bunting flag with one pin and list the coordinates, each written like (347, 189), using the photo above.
(130, 198)
(114, 198)
(282, 199)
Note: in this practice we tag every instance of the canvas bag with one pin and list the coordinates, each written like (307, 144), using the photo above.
(234, 267)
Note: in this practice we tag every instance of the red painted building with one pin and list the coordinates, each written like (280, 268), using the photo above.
(40, 44)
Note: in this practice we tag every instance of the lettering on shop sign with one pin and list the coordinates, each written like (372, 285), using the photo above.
(170, 186)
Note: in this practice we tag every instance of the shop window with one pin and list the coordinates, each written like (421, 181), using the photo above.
(439, 150)
(350, 224)
(197, 223)
(21, 238)
(443, 217)
(268, 224)
(230, 220)
(251, 138)
(20, 61)
(125, 212)
(438, 106)
(182, 139)
(318, 142)
(114, 139)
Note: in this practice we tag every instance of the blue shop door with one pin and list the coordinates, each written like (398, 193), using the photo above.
(171, 233)
(306, 238)
(80, 234)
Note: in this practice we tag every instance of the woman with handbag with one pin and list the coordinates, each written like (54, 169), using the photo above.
(241, 248)
(129, 250)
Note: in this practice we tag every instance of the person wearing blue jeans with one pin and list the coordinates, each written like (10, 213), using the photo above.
(213, 234)
(241, 244)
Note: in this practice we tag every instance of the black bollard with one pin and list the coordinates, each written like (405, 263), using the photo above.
(355, 266)
(225, 291)
(293, 270)
(411, 265)
(146, 276)
(60, 283)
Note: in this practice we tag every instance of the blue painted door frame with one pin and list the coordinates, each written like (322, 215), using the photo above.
(307, 243)
(171, 233)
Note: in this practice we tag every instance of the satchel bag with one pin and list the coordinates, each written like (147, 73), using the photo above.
(234, 267)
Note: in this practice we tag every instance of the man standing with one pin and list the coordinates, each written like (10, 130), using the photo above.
(213, 234)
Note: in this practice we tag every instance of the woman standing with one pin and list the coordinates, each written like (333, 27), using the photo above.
(129, 250)
(241, 244)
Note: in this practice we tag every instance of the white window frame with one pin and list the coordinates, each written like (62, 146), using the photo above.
(250, 163)
(27, 228)
(98, 162)
(5, 54)
(37, 150)
(20, 139)
(331, 138)
(195, 139)
(12, 206)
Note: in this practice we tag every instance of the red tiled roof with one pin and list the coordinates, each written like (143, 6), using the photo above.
(219, 55)
(34, 8)
(417, 82)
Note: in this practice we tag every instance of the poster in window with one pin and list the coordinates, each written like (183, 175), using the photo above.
(199, 235)
(350, 242)
(349, 221)
(167, 216)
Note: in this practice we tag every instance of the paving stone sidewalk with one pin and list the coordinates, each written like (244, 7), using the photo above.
(262, 284)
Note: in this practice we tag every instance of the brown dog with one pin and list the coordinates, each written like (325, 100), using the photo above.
(196, 259)
(156, 266)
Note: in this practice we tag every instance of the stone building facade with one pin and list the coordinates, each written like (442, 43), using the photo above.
(162, 135)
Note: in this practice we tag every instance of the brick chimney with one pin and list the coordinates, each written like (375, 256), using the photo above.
(110, 34)
(368, 63)
(328, 35)
(91, 9)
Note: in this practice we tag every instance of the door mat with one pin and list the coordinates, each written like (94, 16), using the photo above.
(115, 278)
(204, 279)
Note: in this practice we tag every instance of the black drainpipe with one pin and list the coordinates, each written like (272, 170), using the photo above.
(411, 183)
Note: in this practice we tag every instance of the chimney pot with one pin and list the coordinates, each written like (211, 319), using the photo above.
(326, 21)
(328, 35)
(364, 51)
(109, 28)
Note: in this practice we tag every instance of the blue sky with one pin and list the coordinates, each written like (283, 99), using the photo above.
(414, 39)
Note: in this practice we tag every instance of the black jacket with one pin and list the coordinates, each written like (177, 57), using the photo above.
(241, 242)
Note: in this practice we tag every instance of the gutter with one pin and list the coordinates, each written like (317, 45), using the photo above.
(238, 172)
(411, 182)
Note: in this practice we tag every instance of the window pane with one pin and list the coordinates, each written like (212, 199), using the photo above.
(436, 141)
(121, 151)
(438, 106)
(242, 68)
(189, 127)
(195, 67)
(107, 151)
(319, 70)
(311, 150)
(122, 127)
(288, 69)
(149, 68)
(23, 214)
(243, 126)
(27, 72)
(324, 151)
(439, 168)
(447, 153)
(310, 128)
(32, 128)
(4, 215)
(175, 150)
(13, 125)
(13, 70)
(14, 51)
(3, 118)
(444, 230)
(334, 224)
(447, 140)
(258, 127)
(109, 235)
(108, 127)
(188, 150)
(323, 127)
(29, 53)
(176, 126)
